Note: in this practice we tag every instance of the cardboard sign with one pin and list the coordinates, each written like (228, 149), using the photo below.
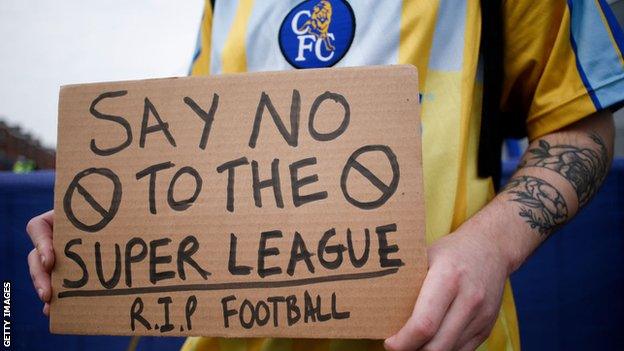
(282, 204)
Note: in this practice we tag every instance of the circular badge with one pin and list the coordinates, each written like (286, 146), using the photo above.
(317, 33)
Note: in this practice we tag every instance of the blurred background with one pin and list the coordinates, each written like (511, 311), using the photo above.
(570, 294)
(46, 44)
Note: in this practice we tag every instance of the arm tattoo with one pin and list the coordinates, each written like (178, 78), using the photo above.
(584, 168)
(541, 205)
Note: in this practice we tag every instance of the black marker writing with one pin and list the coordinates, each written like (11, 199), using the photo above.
(181, 205)
(296, 183)
(117, 119)
(106, 214)
(273, 182)
(187, 248)
(208, 118)
(230, 166)
(233, 268)
(263, 252)
(386, 190)
(299, 252)
(135, 315)
(165, 301)
(151, 171)
(159, 126)
(336, 249)
(112, 282)
(130, 258)
(345, 120)
(291, 137)
(155, 260)
(75, 284)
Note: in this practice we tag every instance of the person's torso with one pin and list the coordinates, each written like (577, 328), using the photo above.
(439, 37)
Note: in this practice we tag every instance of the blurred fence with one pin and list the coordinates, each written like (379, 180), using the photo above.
(569, 295)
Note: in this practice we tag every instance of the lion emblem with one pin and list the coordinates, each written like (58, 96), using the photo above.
(318, 24)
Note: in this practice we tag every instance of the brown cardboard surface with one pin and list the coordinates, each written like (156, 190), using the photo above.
(167, 221)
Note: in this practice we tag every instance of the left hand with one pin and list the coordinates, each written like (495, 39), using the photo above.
(460, 298)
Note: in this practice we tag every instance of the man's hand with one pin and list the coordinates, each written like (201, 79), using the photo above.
(460, 297)
(41, 258)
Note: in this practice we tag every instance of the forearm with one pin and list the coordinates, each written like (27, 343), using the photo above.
(459, 300)
(557, 176)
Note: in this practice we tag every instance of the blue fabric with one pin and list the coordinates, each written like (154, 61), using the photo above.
(21, 198)
(514, 149)
(602, 74)
(569, 294)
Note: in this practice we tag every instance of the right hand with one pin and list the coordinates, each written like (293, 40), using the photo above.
(41, 258)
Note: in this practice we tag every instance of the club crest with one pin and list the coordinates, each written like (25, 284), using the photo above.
(317, 33)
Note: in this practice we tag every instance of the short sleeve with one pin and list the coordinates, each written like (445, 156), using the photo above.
(201, 58)
(562, 61)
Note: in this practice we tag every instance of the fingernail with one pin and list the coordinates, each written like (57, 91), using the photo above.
(42, 260)
(40, 293)
(390, 342)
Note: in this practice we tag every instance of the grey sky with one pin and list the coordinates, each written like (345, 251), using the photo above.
(46, 44)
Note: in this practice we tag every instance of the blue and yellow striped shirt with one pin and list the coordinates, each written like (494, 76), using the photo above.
(562, 62)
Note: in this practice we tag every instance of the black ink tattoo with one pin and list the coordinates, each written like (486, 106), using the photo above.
(542, 205)
(584, 168)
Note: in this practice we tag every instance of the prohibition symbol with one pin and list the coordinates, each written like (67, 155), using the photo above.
(106, 214)
(387, 190)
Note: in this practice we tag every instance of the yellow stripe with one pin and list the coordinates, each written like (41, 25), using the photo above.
(311, 344)
(234, 55)
(511, 316)
(472, 33)
(343, 345)
(504, 336)
(440, 123)
(374, 345)
(416, 36)
(418, 23)
(498, 339)
(255, 344)
(275, 344)
(608, 28)
(201, 344)
(479, 191)
(201, 65)
(232, 344)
